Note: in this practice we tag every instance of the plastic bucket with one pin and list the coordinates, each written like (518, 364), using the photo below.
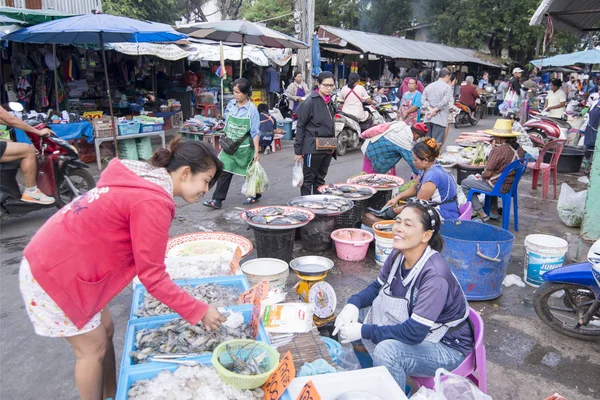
(384, 242)
(478, 255)
(272, 243)
(316, 235)
(286, 125)
(351, 244)
(543, 253)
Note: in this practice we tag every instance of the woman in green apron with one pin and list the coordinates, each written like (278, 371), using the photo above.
(241, 119)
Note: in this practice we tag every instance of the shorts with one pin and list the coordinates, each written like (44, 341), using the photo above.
(3, 145)
(47, 317)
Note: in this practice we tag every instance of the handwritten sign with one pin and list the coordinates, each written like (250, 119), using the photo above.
(255, 317)
(280, 379)
(235, 261)
(260, 290)
(308, 392)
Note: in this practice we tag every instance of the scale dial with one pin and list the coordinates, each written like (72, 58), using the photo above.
(323, 297)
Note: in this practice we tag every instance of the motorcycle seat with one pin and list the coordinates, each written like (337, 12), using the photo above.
(9, 166)
(349, 116)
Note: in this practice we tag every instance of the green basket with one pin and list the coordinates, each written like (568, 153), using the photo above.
(239, 381)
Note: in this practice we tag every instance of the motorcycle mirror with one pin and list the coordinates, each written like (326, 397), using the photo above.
(15, 106)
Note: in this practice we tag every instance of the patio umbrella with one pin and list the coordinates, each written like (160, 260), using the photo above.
(241, 31)
(316, 56)
(579, 57)
(97, 29)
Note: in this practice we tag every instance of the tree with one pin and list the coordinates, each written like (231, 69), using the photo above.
(342, 13)
(259, 10)
(387, 16)
(165, 11)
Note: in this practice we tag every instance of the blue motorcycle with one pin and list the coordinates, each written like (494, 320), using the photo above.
(569, 299)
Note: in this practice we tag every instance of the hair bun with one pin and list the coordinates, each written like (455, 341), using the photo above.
(431, 142)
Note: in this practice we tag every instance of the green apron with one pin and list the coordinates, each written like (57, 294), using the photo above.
(238, 163)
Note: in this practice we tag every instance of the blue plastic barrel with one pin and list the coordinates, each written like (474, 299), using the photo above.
(286, 125)
(478, 255)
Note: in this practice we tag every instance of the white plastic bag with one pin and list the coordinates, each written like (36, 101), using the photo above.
(427, 394)
(256, 182)
(571, 205)
(456, 387)
(297, 175)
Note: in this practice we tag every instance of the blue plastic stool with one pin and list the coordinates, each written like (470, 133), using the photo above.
(519, 166)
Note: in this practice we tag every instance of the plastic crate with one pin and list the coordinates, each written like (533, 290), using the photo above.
(128, 376)
(238, 281)
(147, 128)
(102, 127)
(133, 326)
(129, 128)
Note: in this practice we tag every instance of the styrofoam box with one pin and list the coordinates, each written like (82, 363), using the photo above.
(376, 381)
(133, 326)
(238, 281)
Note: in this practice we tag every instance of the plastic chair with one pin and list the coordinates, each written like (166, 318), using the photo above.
(465, 211)
(207, 109)
(519, 167)
(547, 168)
(276, 143)
(474, 363)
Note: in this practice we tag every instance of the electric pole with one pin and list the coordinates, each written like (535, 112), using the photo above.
(304, 16)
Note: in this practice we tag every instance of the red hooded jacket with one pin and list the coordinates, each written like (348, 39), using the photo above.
(89, 251)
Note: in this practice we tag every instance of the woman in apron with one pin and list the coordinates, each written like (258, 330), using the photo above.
(296, 92)
(241, 119)
(411, 103)
(415, 313)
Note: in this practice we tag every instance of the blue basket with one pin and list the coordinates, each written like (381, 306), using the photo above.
(147, 128)
(129, 128)
(136, 325)
(130, 375)
(478, 254)
(331, 346)
(238, 281)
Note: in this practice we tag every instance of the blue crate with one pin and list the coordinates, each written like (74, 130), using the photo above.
(130, 375)
(147, 128)
(133, 326)
(129, 128)
(239, 281)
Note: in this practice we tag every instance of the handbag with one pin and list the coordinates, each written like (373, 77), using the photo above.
(326, 143)
(230, 146)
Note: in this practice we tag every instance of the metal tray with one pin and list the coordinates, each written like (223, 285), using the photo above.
(296, 201)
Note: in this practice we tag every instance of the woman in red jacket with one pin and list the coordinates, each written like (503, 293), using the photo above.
(89, 251)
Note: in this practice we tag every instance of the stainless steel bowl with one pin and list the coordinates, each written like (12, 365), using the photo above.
(311, 265)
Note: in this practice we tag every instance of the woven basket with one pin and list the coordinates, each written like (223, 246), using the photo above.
(244, 347)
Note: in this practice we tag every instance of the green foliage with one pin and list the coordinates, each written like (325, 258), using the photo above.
(259, 10)
(341, 13)
(165, 11)
(387, 16)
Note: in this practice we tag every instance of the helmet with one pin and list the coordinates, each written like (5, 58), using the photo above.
(489, 89)
(594, 259)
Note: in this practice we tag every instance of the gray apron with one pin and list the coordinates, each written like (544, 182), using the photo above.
(390, 310)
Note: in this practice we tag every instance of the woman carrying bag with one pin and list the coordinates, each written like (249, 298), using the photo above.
(240, 145)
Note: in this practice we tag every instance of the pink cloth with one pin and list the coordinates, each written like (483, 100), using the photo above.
(374, 131)
(368, 168)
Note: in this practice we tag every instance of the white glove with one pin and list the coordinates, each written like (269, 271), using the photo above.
(348, 315)
(351, 333)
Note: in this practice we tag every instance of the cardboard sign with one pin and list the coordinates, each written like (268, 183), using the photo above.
(255, 317)
(235, 261)
(308, 392)
(280, 379)
(260, 290)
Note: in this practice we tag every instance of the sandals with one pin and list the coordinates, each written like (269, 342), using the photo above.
(214, 204)
(250, 200)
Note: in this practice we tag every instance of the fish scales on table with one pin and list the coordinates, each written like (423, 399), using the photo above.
(210, 293)
(179, 337)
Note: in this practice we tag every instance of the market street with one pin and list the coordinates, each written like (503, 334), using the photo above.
(526, 359)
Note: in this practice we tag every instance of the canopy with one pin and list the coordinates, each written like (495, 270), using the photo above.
(211, 52)
(579, 57)
(575, 17)
(316, 56)
(95, 28)
(170, 52)
(32, 17)
(4, 20)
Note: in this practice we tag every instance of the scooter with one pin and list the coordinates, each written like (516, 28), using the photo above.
(60, 174)
(465, 116)
(348, 128)
(569, 299)
(542, 129)
(283, 106)
(388, 111)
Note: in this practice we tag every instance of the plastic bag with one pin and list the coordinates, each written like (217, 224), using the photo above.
(453, 387)
(297, 175)
(571, 205)
(256, 182)
(345, 358)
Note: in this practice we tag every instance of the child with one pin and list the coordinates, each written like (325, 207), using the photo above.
(267, 127)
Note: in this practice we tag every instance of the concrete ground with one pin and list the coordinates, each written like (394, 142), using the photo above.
(525, 358)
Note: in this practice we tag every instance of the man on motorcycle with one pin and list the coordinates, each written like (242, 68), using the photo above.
(468, 94)
(11, 151)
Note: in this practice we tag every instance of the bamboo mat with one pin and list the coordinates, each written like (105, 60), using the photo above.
(307, 347)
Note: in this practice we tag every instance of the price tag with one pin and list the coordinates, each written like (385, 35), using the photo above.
(255, 317)
(308, 392)
(260, 290)
(235, 261)
(280, 379)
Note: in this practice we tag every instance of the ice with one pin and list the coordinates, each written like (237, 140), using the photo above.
(513, 279)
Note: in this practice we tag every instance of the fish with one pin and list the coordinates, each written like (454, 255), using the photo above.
(298, 216)
(273, 217)
(384, 227)
(271, 211)
(249, 360)
(377, 181)
(210, 293)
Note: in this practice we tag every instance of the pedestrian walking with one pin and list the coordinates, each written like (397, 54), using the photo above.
(436, 99)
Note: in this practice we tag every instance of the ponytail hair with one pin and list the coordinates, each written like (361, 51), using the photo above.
(427, 148)
(197, 155)
(431, 221)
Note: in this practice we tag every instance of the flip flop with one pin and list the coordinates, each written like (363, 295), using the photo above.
(214, 204)
(250, 200)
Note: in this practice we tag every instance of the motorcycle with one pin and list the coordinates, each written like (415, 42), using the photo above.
(283, 106)
(388, 111)
(348, 128)
(465, 117)
(569, 299)
(542, 129)
(60, 173)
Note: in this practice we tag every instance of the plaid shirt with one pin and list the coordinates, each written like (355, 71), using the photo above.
(383, 155)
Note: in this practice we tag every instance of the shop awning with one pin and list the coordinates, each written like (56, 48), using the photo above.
(170, 52)
(395, 47)
(211, 52)
(579, 57)
(575, 17)
(32, 17)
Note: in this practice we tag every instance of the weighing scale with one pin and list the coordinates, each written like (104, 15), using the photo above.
(312, 288)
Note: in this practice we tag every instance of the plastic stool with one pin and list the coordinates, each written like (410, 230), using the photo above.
(276, 143)
(207, 109)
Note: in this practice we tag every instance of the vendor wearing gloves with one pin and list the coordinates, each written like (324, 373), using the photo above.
(89, 251)
(416, 312)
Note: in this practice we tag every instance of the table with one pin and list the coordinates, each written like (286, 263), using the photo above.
(99, 141)
(210, 138)
(69, 131)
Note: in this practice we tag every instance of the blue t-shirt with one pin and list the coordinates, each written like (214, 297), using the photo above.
(445, 189)
(267, 123)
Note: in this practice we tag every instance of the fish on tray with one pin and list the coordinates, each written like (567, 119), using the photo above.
(377, 181)
(347, 191)
(179, 337)
(210, 293)
(276, 216)
(332, 204)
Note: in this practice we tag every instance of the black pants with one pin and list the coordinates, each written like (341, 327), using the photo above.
(315, 170)
(222, 188)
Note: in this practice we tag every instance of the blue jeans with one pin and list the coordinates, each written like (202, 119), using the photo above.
(421, 360)
(408, 157)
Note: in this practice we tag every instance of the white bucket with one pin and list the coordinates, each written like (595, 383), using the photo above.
(384, 243)
(543, 253)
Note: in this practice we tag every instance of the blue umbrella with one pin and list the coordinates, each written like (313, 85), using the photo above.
(579, 57)
(96, 29)
(316, 56)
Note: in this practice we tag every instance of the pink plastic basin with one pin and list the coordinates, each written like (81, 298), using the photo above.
(351, 244)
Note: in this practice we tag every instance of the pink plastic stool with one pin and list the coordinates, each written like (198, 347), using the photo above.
(276, 143)
(474, 363)
(465, 211)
